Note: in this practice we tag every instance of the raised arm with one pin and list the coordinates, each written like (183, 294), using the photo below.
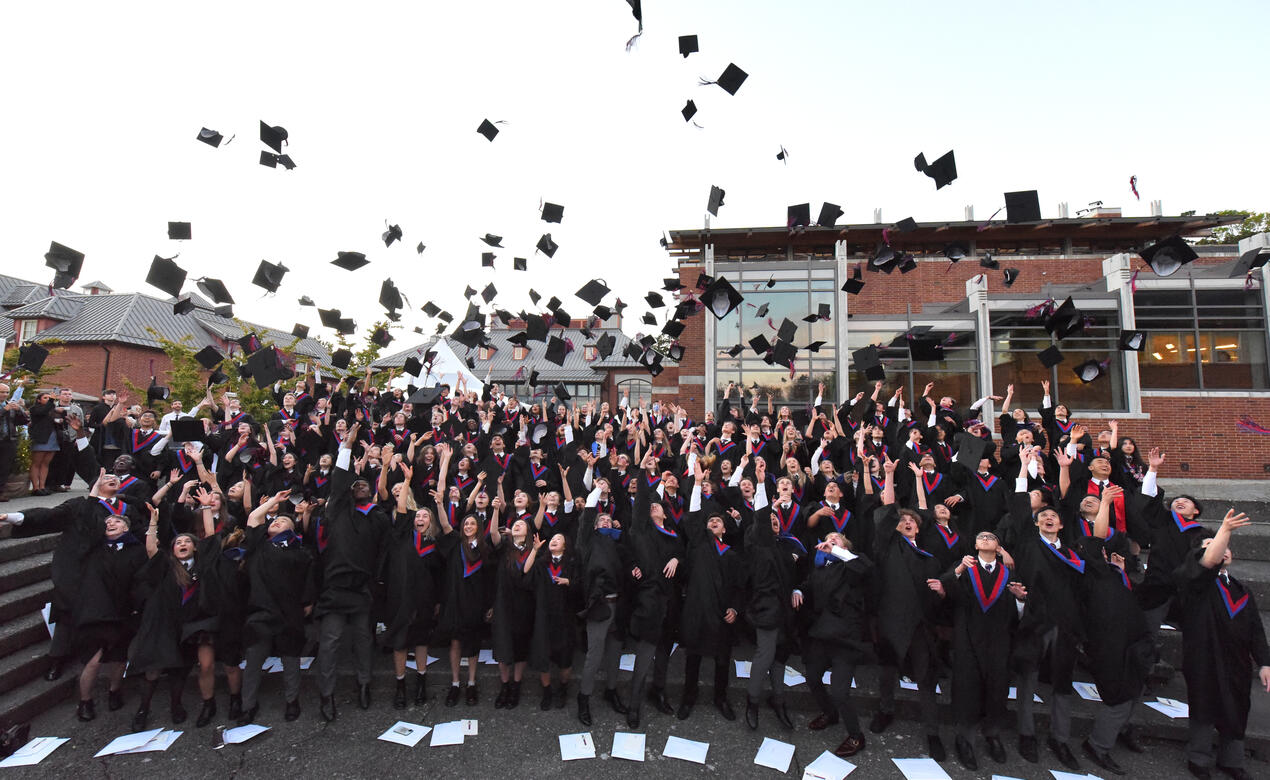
(1216, 550)
(152, 532)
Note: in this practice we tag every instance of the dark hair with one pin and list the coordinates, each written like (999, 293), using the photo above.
(1199, 508)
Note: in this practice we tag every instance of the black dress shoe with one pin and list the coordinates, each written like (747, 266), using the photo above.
(248, 717)
(853, 744)
(14, 737)
(513, 695)
(615, 701)
(724, 707)
(1063, 754)
(55, 669)
(1100, 758)
(545, 704)
(1027, 749)
(685, 708)
(363, 696)
(996, 750)
(658, 697)
(235, 706)
(421, 689)
(880, 721)
(327, 709)
(935, 747)
(584, 709)
(178, 713)
(1238, 773)
(206, 714)
(473, 696)
(751, 713)
(452, 695)
(293, 711)
(822, 722)
(114, 700)
(1128, 739)
(632, 716)
(782, 714)
(1202, 772)
(140, 720)
(966, 754)
(399, 695)
(504, 690)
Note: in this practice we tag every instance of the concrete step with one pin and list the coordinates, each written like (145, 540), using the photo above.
(13, 549)
(25, 600)
(21, 667)
(24, 571)
(1255, 575)
(35, 697)
(22, 632)
(1250, 543)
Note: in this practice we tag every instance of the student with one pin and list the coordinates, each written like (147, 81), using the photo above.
(557, 591)
(601, 568)
(468, 600)
(513, 619)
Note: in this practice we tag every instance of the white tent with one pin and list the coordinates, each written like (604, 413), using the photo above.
(446, 369)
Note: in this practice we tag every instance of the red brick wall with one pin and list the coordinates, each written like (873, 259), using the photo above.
(1200, 435)
(82, 366)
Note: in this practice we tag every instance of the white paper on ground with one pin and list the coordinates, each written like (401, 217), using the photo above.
(1167, 627)
(410, 663)
(628, 746)
(742, 669)
(775, 754)
(469, 726)
(34, 751)
(1171, 708)
(686, 749)
(575, 746)
(827, 766)
(1086, 691)
(306, 661)
(1014, 694)
(47, 613)
(909, 685)
(158, 744)
(921, 769)
(626, 662)
(793, 677)
(1072, 776)
(486, 657)
(128, 742)
(1004, 777)
(243, 733)
(447, 734)
(827, 679)
(403, 733)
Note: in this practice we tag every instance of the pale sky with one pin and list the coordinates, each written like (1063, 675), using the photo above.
(102, 103)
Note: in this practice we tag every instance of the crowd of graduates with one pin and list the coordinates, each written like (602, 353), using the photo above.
(877, 533)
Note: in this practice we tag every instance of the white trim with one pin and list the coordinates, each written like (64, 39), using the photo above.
(1094, 304)
(711, 346)
(1206, 393)
(1184, 283)
(1110, 415)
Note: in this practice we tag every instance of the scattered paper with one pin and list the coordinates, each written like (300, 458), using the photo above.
(685, 750)
(575, 746)
(827, 679)
(469, 727)
(842, 554)
(909, 685)
(34, 751)
(403, 733)
(775, 754)
(627, 662)
(47, 614)
(1167, 627)
(742, 669)
(1014, 694)
(128, 742)
(243, 733)
(306, 661)
(410, 663)
(447, 734)
(160, 743)
(271, 664)
(1171, 708)
(1072, 776)
(921, 769)
(1005, 777)
(486, 657)
(793, 677)
(828, 767)
(628, 746)
(1086, 691)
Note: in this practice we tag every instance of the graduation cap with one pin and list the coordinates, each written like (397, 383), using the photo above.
(533, 377)
(156, 392)
(209, 137)
(735, 350)
(330, 317)
(556, 350)
(393, 233)
(269, 275)
(286, 162)
(906, 262)
(31, 357)
(341, 358)
(489, 292)
(731, 79)
(604, 345)
(503, 316)
(306, 301)
(381, 336)
(823, 312)
(783, 353)
(988, 261)
(300, 331)
(346, 325)
(906, 225)
(552, 212)
(187, 429)
(783, 155)
(815, 346)
(1050, 357)
(593, 291)
(688, 45)
(547, 246)
(446, 317)
(1089, 371)
(721, 298)
(883, 259)
(179, 231)
(1023, 206)
(166, 275)
(1253, 258)
(673, 329)
(798, 216)
(865, 357)
(520, 339)
(520, 264)
(1168, 256)
(420, 248)
(956, 251)
(689, 111)
(390, 296)
(225, 311)
(66, 262)
(217, 377)
(183, 305)
(561, 317)
(350, 261)
(1010, 275)
(209, 357)
(970, 450)
(943, 170)
(249, 342)
(492, 240)
(487, 129)
(1065, 320)
(536, 328)
(602, 312)
(787, 330)
(855, 284)
(926, 349)
(273, 137)
(829, 214)
(215, 289)
(760, 345)
(412, 366)
(561, 392)
(671, 284)
(425, 396)
(715, 201)
(761, 311)
(1132, 340)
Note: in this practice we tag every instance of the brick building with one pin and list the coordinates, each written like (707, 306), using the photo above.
(1203, 370)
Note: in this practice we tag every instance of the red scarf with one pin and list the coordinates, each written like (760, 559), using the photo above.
(1117, 504)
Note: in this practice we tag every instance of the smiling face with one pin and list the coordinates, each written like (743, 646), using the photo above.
(1089, 506)
(909, 524)
(470, 528)
(281, 524)
(715, 525)
(423, 521)
(556, 545)
(115, 527)
(1100, 468)
(520, 531)
(1049, 521)
(183, 547)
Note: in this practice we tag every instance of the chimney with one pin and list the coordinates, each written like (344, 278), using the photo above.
(877, 216)
(969, 213)
(1063, 210)
(1157, 208)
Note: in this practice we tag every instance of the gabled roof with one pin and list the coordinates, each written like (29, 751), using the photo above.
(59, 307)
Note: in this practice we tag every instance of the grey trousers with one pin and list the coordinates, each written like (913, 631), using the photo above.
(331, 630)
(1060, 710)
(255, 657)
(602, 649)
(1111, 718)
(765, 665)
(1199, 747)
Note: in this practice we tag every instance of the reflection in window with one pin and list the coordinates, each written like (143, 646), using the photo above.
(1202, 339)
(1017, 342)
(635, 389)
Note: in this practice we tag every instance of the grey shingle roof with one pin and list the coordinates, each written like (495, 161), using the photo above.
(59, 307)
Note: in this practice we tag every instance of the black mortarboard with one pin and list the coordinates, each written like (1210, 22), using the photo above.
(420, 248)
(955, 251)
(1253, 258)
(675, 352)
(906, 225)
(604, 344)
(269, 160)
(273, 137)
(225, 311)
(671, 284)
(187, 429)
(798, 216)
(469, 291)
(760, 345)
(855, 284)
(988, 261)
(673, 328)
(492, 240)
(1065, 320)
(731, 79)
(602, 312)
(210, 137)
(883, 259)
(865, 357)
(216, 377)
(503, 315)
(829, 214)
(533, 377)
(489, 292)
(735, 349)
(552, 212)
(306, 301)
(547, 246)
(1010, 275)
(536, 328)
(381, 336)
(330, 317)
(183, 305)
(31, 357)
(349, 261)
(787, 330)
(425, 396)
(286, 162)
(593, 291)
(648, 318)
(1167, 256)
(926, 349)
(156, 392)
(393, 233)
(445, 316)
(394, 316)
(556, 350)
(249, 342)
(686, 308)
(487, 129)
(783, 353)
(906, 262)
(179, 231)
(721, 298)
(689, 111)
(815, 346)
(1024, 206)
(1050, 357)
(943, 170)
(1088, 371)
(209, 357)
(166, 275)
(875, 373)
(562, 393)
(716, 200)
(970, 450)
(215, 289)
(520, 264)
(1132, 340)
(300, 331)
(688, 45)
(390, 296)
(761, 311)
(269, 275)
(341, 358)
(66, 262)
(520, 338)
(561, 317)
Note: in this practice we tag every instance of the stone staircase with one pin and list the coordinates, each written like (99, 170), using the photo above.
(24, 639)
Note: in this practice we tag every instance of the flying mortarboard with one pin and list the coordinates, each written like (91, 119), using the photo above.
(273, 137)
(689, 111)
(602, 312)
(215, 289)
(420, 248)
(210, 137)
(381, 336)
(855, 284)
(798, 216)
(179, 231)
(955, 251)
(673, 328)
(547, 246)
(760, 345)
(988, 261)
(1132, 340)
(731, 79)
(561, 392)
(489, 292)
(783, 156)
(300, 331)
(1050, 357)
(926, 349)
(787, 330)
(66, 262)
(217, 377)
(552, 212)
(520, 264)
(556, 350)
(943, 170)
(390, 296)
(671, 284)
(735, 349)
(721, 298)
(31, 357)
(487, 129)
(715, 201)
(906, 262)
(906, 225)
(350, 261)
(970, 450)
(425, 396)
(883, 259)
(604, 345)
(187, 429)
(346, 325)
(1089, 371)
(487, 259)
(1065, 320)
(536, 328)
(166, 275)
(493, 240)
(209, 357)
(1023, 206)
(593, 291)
(269, 275)
(267, 367)
(783, 352)
(814, 346)
(654, 300)
(393, 233)
(688, 45)
(1253, 258)
(1168, 256)
(829, 214)
(1010, 275)
(306, 301)
(330, 317)
(341, 358)
(183, 305)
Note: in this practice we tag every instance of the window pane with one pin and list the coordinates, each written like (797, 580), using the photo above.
(1168, 361)
(636, 389)
(1233, 359)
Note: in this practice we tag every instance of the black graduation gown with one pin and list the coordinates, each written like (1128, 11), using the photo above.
(836, 598)
(222, 593)
(985, 500)
(412, 573)
(513, 623)
(774, 566)
(656, 602)
(170, 615)
(1118, 644)
(906, 604)
(985, 614)
(1222, 640)
(1172, 538)
(557, 522)
(353, 540)
(602, 569)
(281, 584)
(715, 583)
(948, 545)
(1055, 583)
(468, 590)
(554, 636)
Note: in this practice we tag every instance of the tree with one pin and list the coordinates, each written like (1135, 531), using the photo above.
(1252, 224)
(40, 378)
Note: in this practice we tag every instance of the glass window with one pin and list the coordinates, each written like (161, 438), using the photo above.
(520, 353)
(957, 375)
(635, 389)
(1017, 342)
(28, 331)
(1202, 339)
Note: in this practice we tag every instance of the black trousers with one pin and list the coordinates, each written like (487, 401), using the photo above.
(8, 454)
(692, 675)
